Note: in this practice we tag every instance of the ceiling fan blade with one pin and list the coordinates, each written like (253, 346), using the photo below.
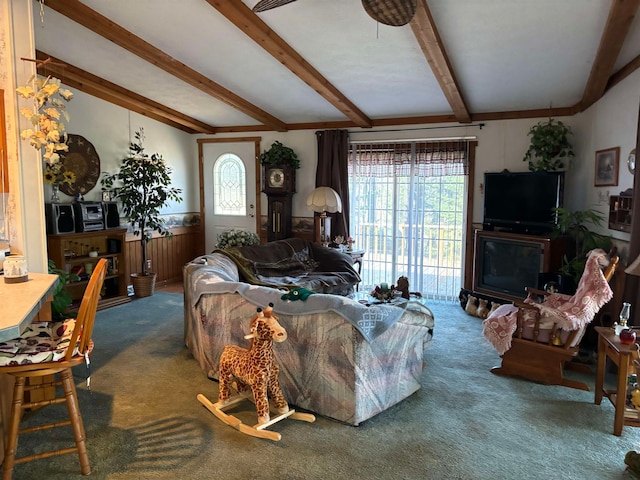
(264, 5)
(391, 12)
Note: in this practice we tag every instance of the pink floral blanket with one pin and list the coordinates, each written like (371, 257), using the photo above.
(568, 312)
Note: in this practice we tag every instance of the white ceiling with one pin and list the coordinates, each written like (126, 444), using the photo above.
(507, 55)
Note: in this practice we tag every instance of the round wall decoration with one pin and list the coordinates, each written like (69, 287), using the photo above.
(83, 160)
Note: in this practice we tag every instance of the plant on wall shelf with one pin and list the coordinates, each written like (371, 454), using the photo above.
(142, 186)
(278, 154)
(549, 147)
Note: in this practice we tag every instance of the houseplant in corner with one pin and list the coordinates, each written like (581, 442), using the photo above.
(549, 147)
(142, 186)
(574, 225)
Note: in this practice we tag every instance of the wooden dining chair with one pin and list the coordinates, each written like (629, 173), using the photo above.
(43, 351)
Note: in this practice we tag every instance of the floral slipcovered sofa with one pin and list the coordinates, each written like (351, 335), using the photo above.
(342, 359)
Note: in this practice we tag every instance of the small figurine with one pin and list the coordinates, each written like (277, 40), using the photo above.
(483, 308)
(471, 308)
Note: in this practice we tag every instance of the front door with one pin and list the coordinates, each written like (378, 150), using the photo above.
(229, 187)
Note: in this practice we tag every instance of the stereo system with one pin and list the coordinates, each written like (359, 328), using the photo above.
(81, 217)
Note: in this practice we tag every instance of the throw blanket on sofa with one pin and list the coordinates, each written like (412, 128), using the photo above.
(292, 263)
(215, 274)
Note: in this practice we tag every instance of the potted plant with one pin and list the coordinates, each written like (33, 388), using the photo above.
(61, 297)
(549, 147)
(237, 238)
(574, 225)
(278, 154)
(142, 186)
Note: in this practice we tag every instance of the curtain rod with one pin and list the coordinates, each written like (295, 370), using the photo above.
(408, 140)
(479, 125)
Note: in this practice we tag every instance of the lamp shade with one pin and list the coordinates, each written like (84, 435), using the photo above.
(634, 268)
(324, 199)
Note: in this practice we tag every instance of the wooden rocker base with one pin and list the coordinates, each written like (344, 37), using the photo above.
(258, 430)
(540, 363)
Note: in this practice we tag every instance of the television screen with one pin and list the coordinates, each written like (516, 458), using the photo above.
(507, 266)
(522, 201)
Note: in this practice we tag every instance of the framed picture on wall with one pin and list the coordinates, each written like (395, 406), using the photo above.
(106, 195)
(607, 166)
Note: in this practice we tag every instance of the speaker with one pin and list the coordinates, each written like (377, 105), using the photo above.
(114, 245)
(111, 214)
(59, 218)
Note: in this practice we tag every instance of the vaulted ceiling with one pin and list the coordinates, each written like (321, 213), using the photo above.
(207, 66)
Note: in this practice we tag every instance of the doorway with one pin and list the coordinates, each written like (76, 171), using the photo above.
(229, 186)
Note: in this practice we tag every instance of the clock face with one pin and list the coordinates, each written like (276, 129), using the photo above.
(631, 161)
(276, 178)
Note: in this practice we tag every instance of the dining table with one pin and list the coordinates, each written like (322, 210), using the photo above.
(22, 304)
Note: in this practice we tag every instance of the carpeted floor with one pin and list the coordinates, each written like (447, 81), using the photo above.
(143, 420)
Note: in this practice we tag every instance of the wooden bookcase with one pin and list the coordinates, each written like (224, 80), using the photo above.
(70, 251)
(620, 207)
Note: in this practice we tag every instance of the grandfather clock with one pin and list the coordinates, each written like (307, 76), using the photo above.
(279, 182)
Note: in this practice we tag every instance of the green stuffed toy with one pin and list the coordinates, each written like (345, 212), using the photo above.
(297, 294)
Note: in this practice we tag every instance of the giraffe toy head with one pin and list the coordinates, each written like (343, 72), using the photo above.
(265, 326)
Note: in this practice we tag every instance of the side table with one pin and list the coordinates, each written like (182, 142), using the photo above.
(622, 356)
(357, 256)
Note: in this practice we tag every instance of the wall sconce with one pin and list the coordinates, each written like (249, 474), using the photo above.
(323, 200)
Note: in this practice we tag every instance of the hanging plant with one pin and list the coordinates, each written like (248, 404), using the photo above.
(278, 154)
(549, 147)
(48, 132)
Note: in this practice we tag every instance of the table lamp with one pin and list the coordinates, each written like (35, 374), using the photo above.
(323, 200)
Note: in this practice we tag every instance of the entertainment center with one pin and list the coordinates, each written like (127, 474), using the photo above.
(515, 247)
(505, 263)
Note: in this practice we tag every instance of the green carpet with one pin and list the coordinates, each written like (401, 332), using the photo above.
(143, 420)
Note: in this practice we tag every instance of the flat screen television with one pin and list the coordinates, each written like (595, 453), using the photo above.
(522, 201)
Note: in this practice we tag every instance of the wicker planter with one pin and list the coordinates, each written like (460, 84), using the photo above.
(143, 285)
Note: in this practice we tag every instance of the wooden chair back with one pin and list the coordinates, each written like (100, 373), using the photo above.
(87, 312)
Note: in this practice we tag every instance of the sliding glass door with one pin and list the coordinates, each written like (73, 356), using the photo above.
(408, 214)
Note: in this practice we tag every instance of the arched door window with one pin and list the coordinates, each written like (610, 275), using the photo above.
(229, 185)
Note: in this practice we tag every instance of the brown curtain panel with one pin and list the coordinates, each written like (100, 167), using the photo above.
(333, 152)
(632, 282)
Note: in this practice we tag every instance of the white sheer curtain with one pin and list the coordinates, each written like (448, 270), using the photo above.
(407, 213)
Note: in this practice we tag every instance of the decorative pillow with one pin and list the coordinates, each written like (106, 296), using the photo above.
(41, 342)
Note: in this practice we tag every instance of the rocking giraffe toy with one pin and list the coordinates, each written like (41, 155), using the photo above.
(255, 371)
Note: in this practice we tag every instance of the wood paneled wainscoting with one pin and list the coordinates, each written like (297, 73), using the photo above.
(167, 254)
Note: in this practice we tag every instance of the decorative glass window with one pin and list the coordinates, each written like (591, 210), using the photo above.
(229, 185)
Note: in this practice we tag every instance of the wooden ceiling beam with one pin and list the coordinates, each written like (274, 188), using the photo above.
(621, 16)
(426, 33)
(623, 73)
(422, 120)
(110, 92)
(89, 18)
(242, 17)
